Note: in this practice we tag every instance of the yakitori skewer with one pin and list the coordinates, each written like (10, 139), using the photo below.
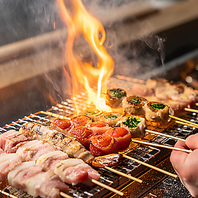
(165, 135)
(191, 110)
(150, 166)
(107, 187)
(160, 145)
(183, 120)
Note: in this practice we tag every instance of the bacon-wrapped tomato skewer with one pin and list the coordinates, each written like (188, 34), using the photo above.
(103, 145)
(122, 137)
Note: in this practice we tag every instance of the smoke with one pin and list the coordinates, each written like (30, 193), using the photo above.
(131, 58)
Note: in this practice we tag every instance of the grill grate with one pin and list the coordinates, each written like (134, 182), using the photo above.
(144, 153)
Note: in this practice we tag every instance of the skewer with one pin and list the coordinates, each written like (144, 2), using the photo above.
(166, 135)
(191, 110)
(107, 187)
(150, 166)
(65, 195)
(162, 146)
(123, 174)
(186, 121)
(7, 194)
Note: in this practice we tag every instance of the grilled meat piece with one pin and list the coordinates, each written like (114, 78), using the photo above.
(10, 139)
(103, 144)
(73, 171)
(134, 105)
(110, 118)
(81, 120)
(157, 112)
(106, 160)
(114, 97)
(59, 140)
(135, 125)
(122, 137)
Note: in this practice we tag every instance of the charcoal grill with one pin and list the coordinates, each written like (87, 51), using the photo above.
(146, 154)
(155, 184)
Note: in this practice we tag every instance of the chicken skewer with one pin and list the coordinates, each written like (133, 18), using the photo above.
(46, 160)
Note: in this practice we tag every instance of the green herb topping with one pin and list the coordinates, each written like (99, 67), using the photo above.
(135, 100)
(118, 93)
(132, 122)
(91, 113)
(157, 106)
(110, 116)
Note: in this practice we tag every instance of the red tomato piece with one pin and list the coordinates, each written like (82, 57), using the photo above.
(62, 123)
(81, 120)
(103, 145)
(121, 135)
(98, 128)
(98, 124)
(83, 135)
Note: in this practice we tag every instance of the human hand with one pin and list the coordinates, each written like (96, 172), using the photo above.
(186, 164)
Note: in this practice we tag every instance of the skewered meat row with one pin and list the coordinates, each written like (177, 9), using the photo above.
(105, 141)
(32, 180)
(71, 171)
(59, 140)
(177, 96)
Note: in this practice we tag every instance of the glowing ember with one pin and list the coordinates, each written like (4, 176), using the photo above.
(84, 74)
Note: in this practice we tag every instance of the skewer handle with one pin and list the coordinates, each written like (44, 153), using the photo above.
(191, 110)
(107, 187)
(123, 174)
(65, 195)
(150, 166)
(166, 135)
(162, 146)
(186, 121)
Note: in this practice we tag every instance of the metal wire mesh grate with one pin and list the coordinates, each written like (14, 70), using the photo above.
(140, 152)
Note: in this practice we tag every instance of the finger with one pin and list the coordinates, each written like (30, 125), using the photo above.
(192, 141)
(178, 158)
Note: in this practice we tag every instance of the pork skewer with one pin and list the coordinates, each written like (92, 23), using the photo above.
(44, 159)
(59, 140)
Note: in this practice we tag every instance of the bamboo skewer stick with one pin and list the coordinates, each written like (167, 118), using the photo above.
(107, 187)
(191, 110)
(123, 174)
(186, 121)
(150, 166)
(65, 195)
(7, 194)
(162, 146)
(166, 135)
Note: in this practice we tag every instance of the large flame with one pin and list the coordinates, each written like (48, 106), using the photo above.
(80, 22)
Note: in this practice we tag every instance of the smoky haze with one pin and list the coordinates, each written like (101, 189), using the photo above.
(25, 19)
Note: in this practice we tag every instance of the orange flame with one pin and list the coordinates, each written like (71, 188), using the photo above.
(83, 74)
